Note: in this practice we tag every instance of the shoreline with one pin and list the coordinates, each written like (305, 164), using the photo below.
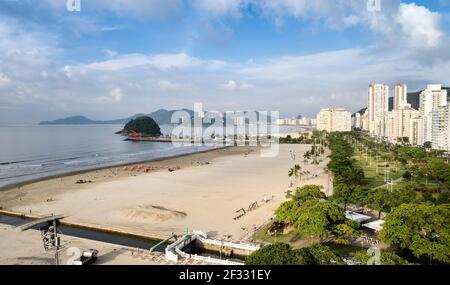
(207, 192)
(85, 171)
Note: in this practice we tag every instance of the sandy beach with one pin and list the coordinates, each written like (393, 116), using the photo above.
(195, 192)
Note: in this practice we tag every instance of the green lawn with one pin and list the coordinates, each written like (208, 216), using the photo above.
(375, 178)
(261, 235)
(344, 249)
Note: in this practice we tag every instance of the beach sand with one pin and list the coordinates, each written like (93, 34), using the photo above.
(204, 194)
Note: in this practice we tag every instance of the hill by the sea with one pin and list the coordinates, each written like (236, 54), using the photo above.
(161, 117)
(413, 99)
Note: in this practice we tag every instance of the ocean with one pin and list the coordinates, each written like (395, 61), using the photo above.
(34, 152)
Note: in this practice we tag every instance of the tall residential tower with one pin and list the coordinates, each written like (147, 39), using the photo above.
(378, 109)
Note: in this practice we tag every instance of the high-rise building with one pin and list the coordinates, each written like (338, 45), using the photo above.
(416, 131)
(403, 121)
(378, 109)
(400, 96)
(430, 99)
(440, 128)
(334, 120)
(365, 120)
(358, 124)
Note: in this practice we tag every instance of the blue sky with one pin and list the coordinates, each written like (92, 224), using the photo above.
(117, 58)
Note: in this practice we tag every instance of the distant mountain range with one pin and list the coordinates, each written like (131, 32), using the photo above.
(161, 117)
(413, 99)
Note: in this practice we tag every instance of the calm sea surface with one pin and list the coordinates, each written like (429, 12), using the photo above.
(30, 152)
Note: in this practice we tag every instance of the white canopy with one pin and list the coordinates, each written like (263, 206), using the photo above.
(356, 217)
(375, 225)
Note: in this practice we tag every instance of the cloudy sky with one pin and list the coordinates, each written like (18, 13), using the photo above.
(115, 58)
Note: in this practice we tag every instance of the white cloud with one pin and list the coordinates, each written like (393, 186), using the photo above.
(110, 53)
(68, 71)
(232, 85)
(4, 80)
(221, 7)
(158, 61)
(115, 96)
(153, 9)
(420, 26)
(166, 85)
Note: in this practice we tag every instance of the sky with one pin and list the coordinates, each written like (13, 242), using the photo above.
(115, 58)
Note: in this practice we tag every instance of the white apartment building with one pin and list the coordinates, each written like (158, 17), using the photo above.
(357, 121)
(365, 120)
(400, 96)
(304, 121)
(430, 99)
(416, 131)
(440, 128)
(334, 120)
(378, 109)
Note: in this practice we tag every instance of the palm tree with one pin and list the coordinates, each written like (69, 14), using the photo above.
(295, 171)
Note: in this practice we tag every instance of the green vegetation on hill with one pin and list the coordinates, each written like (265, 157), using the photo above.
(143, 125)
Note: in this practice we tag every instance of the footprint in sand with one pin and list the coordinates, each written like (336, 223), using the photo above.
(147, 213)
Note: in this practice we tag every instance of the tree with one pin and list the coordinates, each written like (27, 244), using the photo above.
(404, 195)
(295, 171)
(318, 218)
(275, 254)
(387, 258)
(344, 232)
(318, 254)
(379, 200)
(427, 145)
(440, 171)
(308, 192)
(289, 211)
(342, 192)
(443, 198)
(420, 228)
(359, 195)
(414, 170)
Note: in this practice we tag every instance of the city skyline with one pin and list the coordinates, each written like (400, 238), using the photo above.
(139, 56)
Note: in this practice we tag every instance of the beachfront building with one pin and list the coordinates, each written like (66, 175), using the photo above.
(365, 120)
(399, 123)
(400, 96)
(416, 131)
(440, 128)
(299, 121)
(430, 99)
(334, 120)
(378, 109)
(405, 117)
(357, 121)
(391, 129)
